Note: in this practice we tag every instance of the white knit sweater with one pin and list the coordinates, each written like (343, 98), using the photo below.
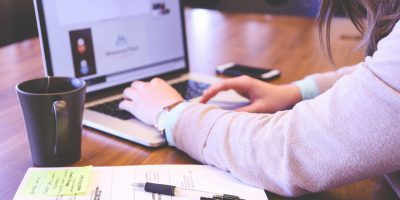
(349, 132)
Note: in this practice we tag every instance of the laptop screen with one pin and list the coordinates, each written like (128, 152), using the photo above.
(111, 42)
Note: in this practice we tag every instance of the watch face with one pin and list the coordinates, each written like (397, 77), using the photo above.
(161, 120)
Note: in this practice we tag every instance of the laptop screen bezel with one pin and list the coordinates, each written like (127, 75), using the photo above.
(42, 27)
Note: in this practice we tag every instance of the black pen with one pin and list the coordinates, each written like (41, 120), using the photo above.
(223, 197)
(171, 190)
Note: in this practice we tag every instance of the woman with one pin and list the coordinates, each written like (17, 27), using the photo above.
(343, 127)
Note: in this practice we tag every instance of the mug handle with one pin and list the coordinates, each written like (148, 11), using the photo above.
(60, 114)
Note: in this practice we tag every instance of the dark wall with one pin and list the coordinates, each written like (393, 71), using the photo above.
(284, 7)
(17, 21)
(309, 8)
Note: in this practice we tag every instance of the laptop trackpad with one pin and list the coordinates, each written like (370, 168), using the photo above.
(229, 100)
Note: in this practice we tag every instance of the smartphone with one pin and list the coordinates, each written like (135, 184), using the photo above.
(234, 69)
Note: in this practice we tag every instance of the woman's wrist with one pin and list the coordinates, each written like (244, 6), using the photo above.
(294, 94)
(176, 112)
(308, 88)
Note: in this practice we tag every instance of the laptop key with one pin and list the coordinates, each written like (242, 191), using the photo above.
(190, 89)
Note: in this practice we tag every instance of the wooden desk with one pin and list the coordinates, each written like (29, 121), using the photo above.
(287, 43)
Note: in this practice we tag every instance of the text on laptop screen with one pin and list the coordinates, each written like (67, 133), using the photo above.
(110, 42)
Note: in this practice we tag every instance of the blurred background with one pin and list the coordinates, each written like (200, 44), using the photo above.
(17, 21)
(17, 17)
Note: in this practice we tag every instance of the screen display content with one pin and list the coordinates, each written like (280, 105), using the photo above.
(114, 41)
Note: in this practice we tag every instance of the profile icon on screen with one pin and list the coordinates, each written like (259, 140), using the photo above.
(81, 45)
(83, 52)
(84, 67)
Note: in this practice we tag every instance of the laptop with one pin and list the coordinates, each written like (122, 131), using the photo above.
(111, 43)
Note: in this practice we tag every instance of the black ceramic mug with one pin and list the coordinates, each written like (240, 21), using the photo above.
(53, 112)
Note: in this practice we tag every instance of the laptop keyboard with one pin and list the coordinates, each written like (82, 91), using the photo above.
(111, 108)
(188, 89)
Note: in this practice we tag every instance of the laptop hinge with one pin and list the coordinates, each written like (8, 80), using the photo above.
(171, 76)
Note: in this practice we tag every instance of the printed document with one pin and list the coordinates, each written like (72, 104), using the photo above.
(116, 183)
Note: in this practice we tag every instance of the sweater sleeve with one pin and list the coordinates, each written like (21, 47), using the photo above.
(316, 84)
(325, 81)
(348, 133)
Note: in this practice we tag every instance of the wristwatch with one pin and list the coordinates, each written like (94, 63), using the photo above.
(163, 116)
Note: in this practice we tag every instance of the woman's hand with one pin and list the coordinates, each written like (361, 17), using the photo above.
(146, 99)
(264, 97)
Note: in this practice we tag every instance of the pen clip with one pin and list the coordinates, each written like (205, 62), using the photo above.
(223, 197)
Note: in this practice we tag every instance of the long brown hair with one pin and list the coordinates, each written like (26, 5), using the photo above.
(373, 18)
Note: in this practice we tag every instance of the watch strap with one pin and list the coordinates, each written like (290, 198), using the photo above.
(172, 106)
(165, 109)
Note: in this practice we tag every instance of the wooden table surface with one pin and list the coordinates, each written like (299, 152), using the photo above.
(289, 44)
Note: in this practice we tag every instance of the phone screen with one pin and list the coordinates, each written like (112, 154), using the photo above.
(238, 70)
(234, 69)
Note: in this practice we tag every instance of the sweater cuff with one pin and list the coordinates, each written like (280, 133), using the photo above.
(308, 88)
(193, 128)
(173, 118)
